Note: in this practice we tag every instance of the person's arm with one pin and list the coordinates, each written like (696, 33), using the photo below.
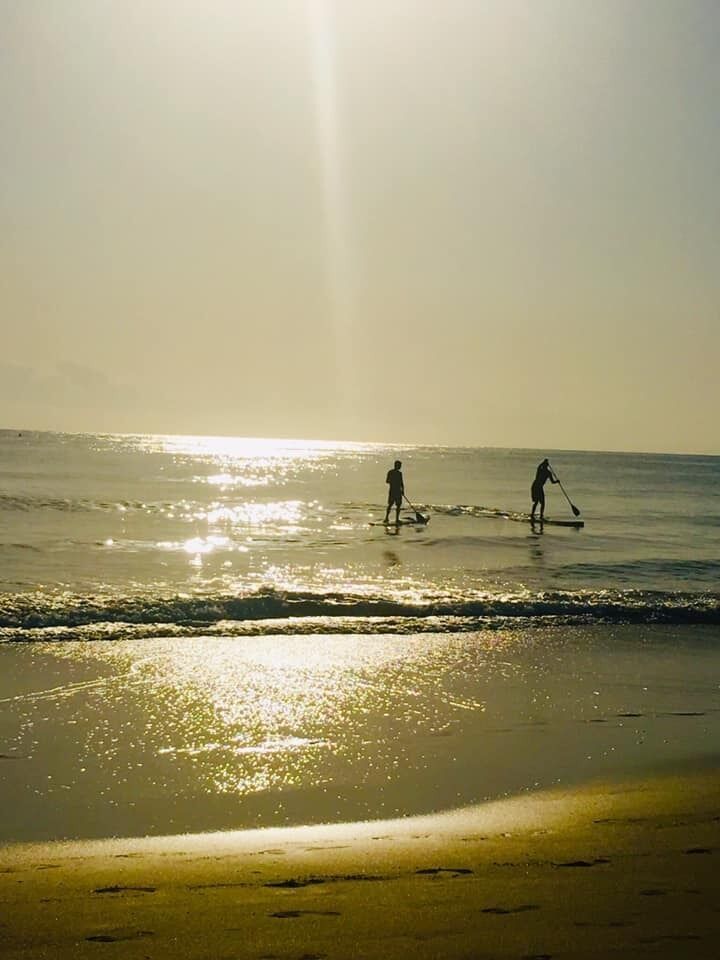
(387, 478)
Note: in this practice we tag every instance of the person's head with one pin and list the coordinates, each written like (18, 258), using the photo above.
(545, 463)
(398, 464)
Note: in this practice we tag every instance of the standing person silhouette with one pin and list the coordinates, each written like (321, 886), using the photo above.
(396, 491)
(537, 494)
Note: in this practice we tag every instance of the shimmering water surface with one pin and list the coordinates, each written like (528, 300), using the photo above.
(191, 532)
(162, 736)
(272, 658)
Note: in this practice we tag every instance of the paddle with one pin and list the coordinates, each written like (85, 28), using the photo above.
(572, 505)
(418, 516)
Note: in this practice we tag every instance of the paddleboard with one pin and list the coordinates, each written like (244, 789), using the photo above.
(555, 523)
(403, 523)
(526, 518)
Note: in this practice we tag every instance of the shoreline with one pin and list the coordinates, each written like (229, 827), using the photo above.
(615, 868)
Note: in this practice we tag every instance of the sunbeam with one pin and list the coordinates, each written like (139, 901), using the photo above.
(336, 214)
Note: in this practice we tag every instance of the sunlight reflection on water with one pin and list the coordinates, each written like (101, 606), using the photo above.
(256, 716)
(198, 733)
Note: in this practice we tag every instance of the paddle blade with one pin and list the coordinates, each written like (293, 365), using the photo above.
(572, 505)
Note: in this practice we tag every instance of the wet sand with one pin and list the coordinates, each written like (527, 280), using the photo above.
(165, 736)
(606, 870)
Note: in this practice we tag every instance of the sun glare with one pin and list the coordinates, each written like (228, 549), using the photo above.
(248, 448)
(324, 67)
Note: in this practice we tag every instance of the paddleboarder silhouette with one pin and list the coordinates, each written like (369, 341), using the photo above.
(396, 491)
(537, 493)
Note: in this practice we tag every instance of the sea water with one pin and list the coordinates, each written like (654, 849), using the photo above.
(111, 535)
(271, 657)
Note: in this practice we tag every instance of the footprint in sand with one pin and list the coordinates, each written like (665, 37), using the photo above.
(523, 908)
(621, 820)
(116, 935)
(124, 890)
(294, 884)
(683, 713)
(304, 956)
(292, 914)
(582, 863)
(313, 849)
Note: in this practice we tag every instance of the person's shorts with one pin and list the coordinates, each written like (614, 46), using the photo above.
(537, 493)
(395, 499)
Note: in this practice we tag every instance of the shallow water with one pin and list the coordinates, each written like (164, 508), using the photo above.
(275, 659)
(184, 734)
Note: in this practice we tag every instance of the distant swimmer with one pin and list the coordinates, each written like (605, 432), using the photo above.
(537, 494)
(396, 491)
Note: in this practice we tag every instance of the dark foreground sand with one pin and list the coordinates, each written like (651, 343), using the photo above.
(606, 871)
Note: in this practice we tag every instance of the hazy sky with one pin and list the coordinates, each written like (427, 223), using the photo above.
(479, 221)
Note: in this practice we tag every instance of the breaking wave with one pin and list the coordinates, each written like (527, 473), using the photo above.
(27, 617)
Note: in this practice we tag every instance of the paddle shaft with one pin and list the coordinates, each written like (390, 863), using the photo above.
(574, 509)
(414, 507)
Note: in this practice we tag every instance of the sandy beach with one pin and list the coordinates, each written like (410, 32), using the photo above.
(604, 870)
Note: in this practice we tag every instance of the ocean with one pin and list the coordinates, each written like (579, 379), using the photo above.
(118, 536)
(202, 632)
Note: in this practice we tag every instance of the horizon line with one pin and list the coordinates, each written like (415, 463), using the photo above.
(464, 445)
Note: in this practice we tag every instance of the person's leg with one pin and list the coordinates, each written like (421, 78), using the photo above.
(542, 504)
(397, 511)
(387, 512)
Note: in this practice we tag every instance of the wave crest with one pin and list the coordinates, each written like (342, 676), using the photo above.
(44, 616)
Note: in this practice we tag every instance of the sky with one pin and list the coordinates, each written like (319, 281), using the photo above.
(491, 222)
